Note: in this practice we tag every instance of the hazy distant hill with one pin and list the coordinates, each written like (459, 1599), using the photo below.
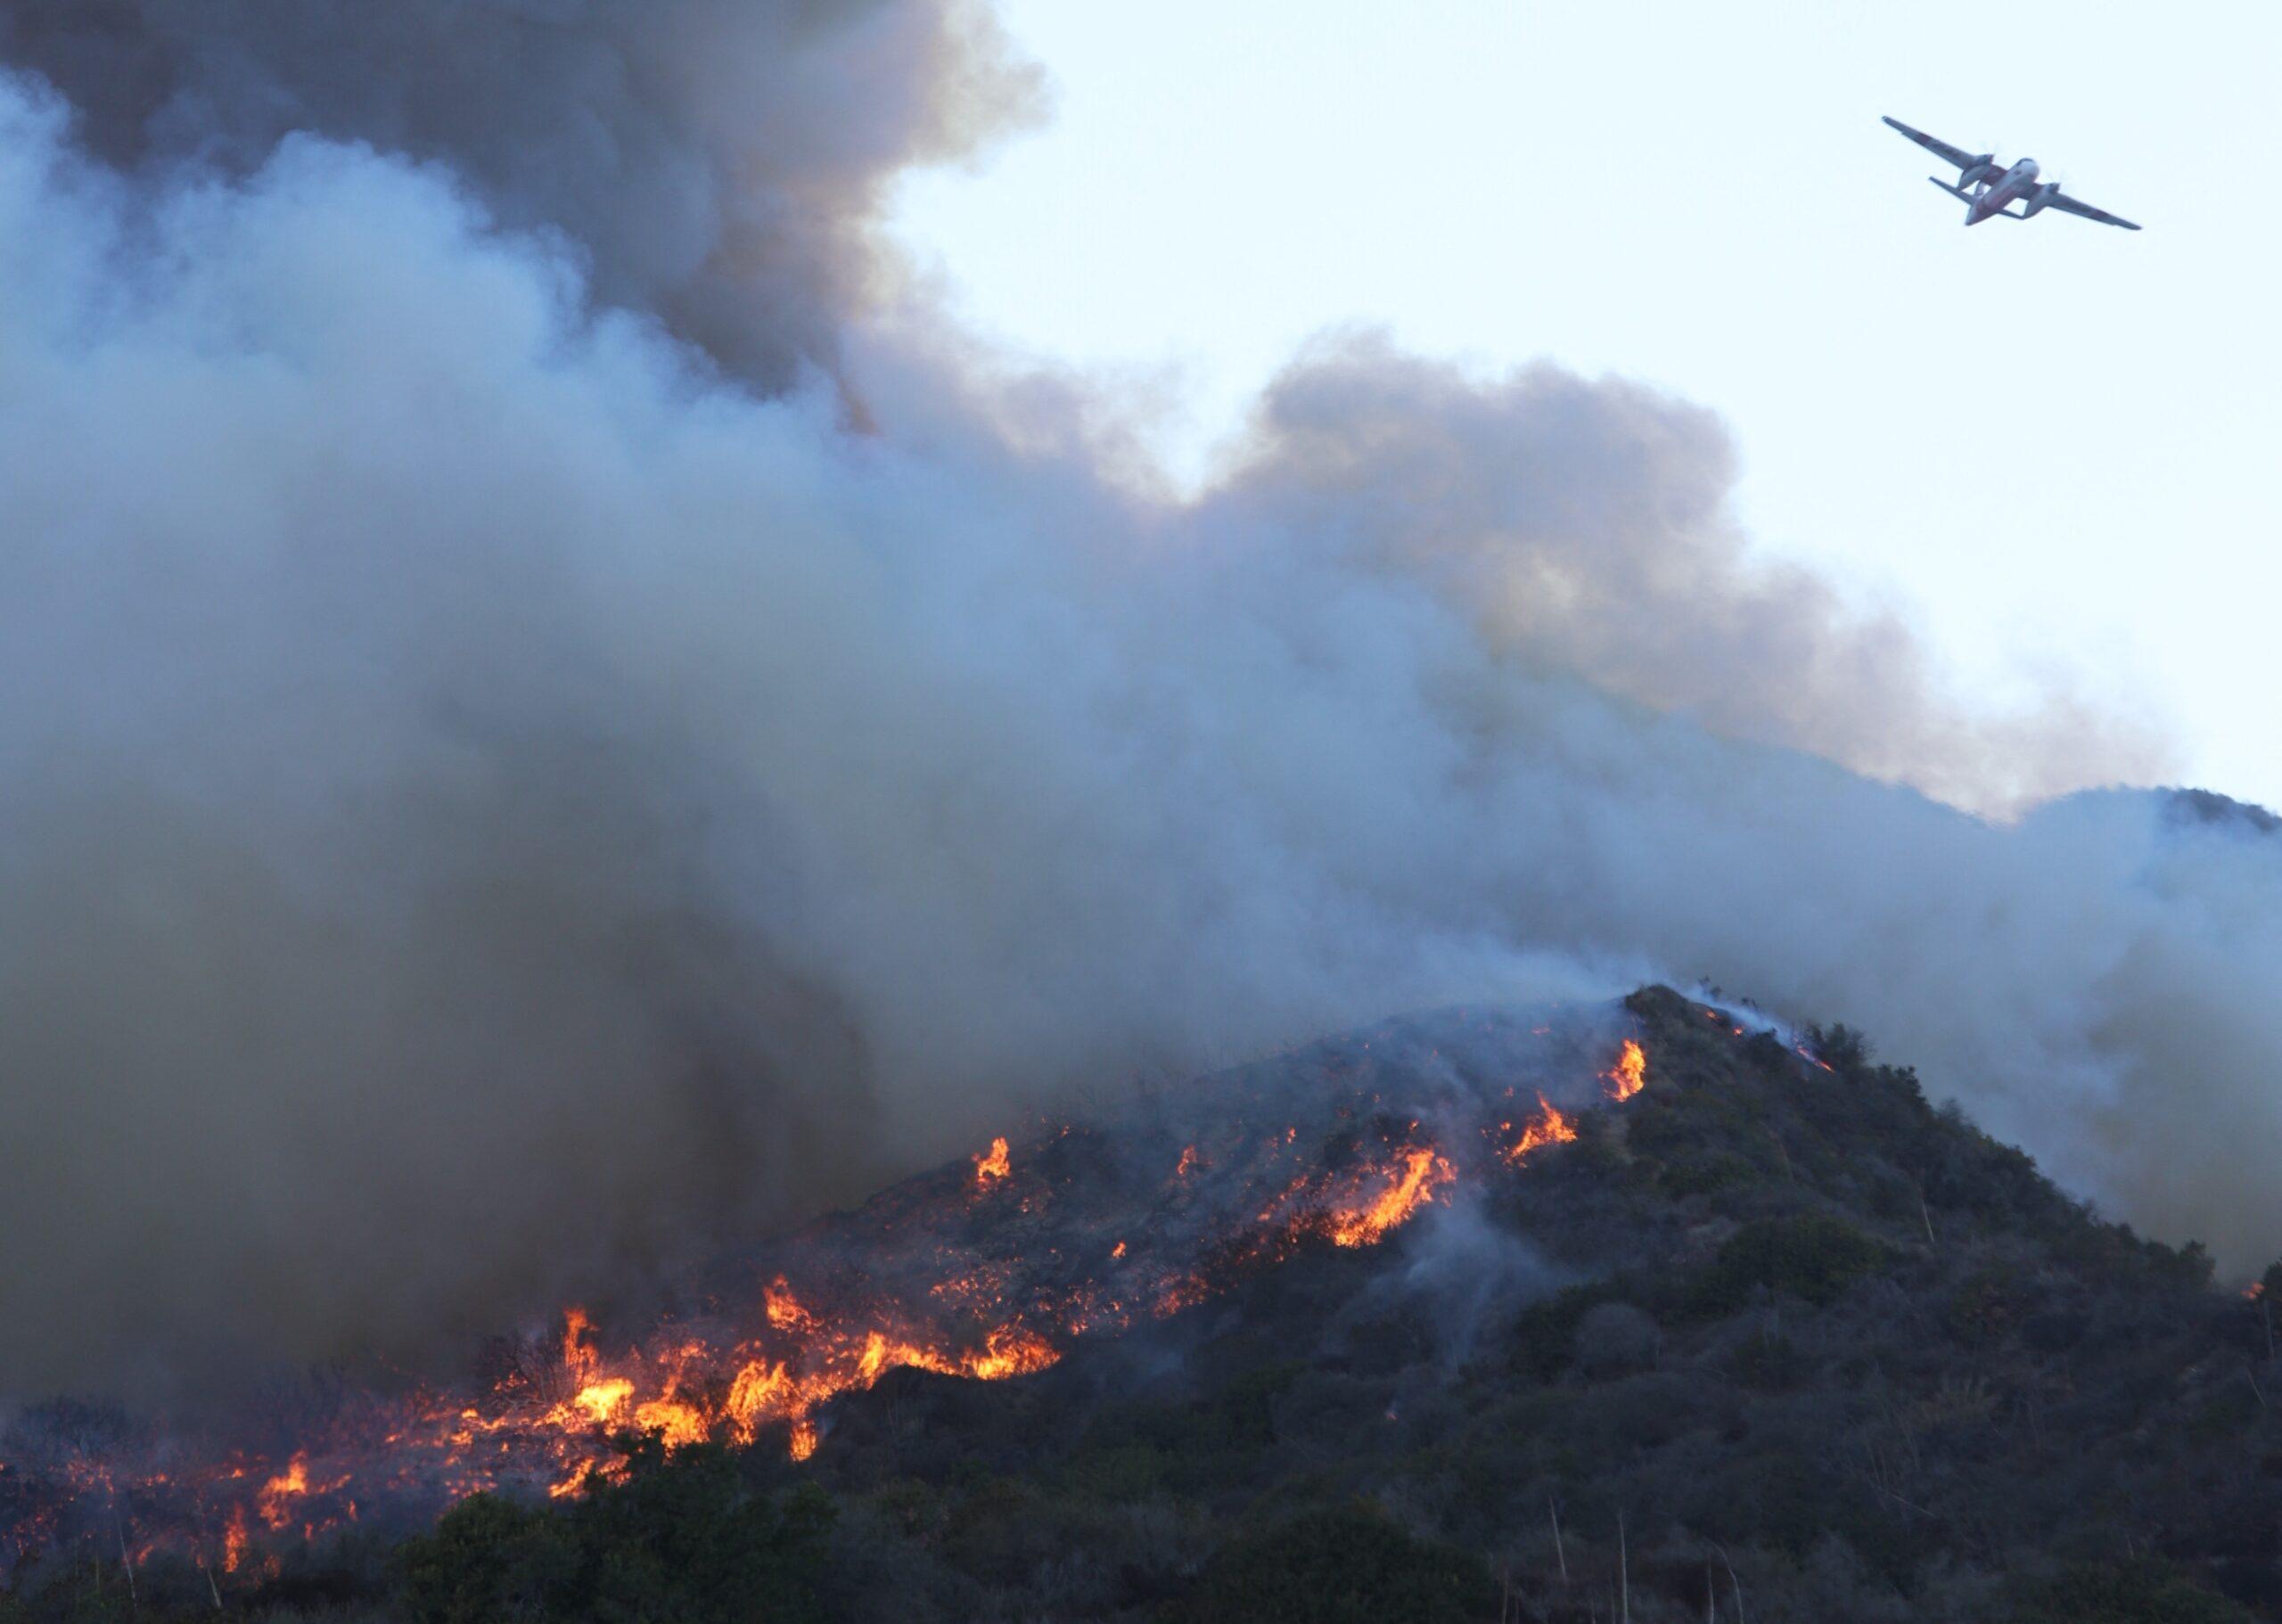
(2209, 807)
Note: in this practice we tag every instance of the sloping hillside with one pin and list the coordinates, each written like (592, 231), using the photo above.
(1774, 1339)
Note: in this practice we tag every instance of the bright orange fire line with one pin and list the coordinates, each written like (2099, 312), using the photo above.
(1630, 1075)
(1549, 1127)
(1423, 1173)
(801, 1356)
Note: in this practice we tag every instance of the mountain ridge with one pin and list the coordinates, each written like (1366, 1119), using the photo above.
(1773, 1338)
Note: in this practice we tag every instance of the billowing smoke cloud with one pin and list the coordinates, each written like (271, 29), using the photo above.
(491, 803)
(714, 162)
(1527, 499)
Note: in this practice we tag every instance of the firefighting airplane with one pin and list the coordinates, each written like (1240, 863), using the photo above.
(1985, 188)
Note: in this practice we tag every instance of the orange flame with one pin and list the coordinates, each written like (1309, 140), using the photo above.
(1630, 1075)
(579, 1357)
(950, 1307)
(234, 1540)
(275, 1501)
(1549, 1127)
(1423, 1173)
(603, 1399)
(784, 1310)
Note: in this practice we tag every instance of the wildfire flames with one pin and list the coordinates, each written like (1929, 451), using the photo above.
(1368, 1221)
(1630, 1075)
(943, 1274)
(1549, 1127)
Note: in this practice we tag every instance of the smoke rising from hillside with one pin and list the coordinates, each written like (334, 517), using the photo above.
(492, 802)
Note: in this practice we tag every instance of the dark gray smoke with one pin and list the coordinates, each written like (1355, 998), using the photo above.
(714, 162)
(490, 802)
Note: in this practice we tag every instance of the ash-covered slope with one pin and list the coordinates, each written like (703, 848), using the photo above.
(1355, 1331)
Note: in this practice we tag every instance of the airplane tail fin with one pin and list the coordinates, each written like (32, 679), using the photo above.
(1957, 192)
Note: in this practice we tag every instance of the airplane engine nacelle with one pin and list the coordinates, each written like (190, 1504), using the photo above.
(1983, 167)
(2036, 199)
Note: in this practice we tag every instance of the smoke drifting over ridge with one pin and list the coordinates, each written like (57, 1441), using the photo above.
(491, 801)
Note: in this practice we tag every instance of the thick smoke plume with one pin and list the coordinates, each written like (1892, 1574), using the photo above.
(504, 784)
(714, 162)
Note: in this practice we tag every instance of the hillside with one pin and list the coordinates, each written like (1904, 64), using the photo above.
(1772, 1339)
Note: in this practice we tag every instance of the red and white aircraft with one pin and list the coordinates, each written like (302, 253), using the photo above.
(1985, 187)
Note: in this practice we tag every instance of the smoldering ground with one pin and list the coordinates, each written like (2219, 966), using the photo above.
(502, 784)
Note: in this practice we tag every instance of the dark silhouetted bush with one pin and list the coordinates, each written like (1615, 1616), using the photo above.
(1351, 1565)
(1614, 1338)
(1808, 1255)
(2136, 1592)
(679, 1541)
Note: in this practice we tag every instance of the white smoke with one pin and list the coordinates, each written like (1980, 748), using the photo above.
(490, 801)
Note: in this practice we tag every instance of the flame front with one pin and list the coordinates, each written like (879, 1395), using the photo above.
(1423, 1173)
(234, 1540)
(935, 1280)
(601, 1400)
(1549, 1127)
(1630, 1075)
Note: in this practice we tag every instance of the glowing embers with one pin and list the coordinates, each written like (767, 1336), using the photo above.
(1630, 1075)
(1550, 1126)
(992, 1165)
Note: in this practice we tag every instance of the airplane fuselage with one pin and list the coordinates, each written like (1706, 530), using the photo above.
(1988, 188)
(2019, 182)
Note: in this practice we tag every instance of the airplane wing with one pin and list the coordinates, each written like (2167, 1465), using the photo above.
(1956, 157)
(2063, 200)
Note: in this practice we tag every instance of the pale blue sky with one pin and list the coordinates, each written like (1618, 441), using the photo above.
(2056, 442)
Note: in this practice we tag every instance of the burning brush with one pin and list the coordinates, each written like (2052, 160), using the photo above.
(985, 1271)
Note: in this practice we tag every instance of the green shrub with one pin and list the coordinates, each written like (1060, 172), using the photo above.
(677, 1540)
(1351, 1565)
(2134, 1593)
(1768, 1362)
(490, 1560)
(1808, 1255)
(1841, 1046)
(1702, 1175)
(1990, 1306)
(1544, 1333)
